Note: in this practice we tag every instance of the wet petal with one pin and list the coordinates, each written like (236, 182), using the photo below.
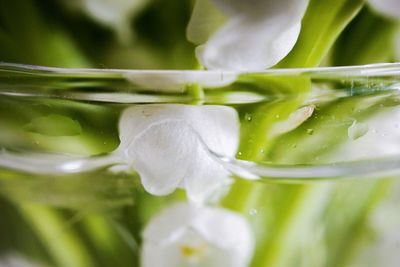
(217, 127)
(136, 119)
(162, 155)
(206, 177)
(172, 146)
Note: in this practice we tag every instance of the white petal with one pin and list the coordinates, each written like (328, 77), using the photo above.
(218, 238)
(134, 120)
(217, 226)
(170, 145)
(162, 155)
(169, 224)
(218, 126)
(259, 34)
(205, 177)
(244, 45)
(155, 255)
(388, 8)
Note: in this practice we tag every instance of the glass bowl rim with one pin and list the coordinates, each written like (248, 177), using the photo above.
(378, 69)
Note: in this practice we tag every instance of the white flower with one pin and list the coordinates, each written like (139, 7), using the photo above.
(182, 235)
(170, 146)
(257, 34)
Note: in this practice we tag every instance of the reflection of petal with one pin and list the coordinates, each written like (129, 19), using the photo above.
(388, 8)
(177, 81)
(203, 236)
(258, 35)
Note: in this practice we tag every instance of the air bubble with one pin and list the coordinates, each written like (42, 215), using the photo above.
(248, 117)
(253, 212)
(357, 130)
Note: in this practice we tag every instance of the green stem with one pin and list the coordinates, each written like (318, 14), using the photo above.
(62, 243)
(196, 94)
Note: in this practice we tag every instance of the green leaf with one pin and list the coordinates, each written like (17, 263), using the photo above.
(29, 36)
(368, 39)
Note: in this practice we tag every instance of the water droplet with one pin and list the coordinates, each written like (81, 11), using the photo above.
(239, 153)
(310, 131)
(294, 145)
(357, 130)
(253, 212)
(277, 116)
(262, 151)
(248, 117)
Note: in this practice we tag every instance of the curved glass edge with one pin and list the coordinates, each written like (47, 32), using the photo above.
(363, 169)
(380, 69)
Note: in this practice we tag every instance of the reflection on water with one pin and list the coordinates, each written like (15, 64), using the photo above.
(88, 161)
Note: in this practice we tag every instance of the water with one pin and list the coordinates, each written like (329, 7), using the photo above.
(314, 160)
